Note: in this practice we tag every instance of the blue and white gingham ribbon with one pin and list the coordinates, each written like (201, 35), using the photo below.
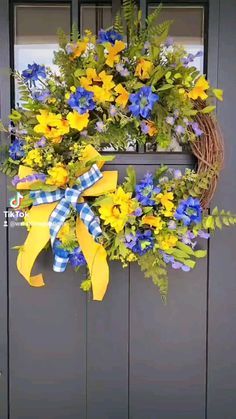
(69, 197)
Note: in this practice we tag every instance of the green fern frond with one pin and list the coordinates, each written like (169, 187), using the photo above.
(62, 38)
(75, 33)
(151, 20)
(118, 26)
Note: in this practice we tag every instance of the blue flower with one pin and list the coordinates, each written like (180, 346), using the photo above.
(142, 102)
(145, 190)
(109, 36)
(16, 150)
(77, 258)
(139, 242)
(189, 211)
(33, 72)
(82, 100)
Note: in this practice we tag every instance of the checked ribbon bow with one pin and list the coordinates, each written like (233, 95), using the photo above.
(48, 214)
(68, 198)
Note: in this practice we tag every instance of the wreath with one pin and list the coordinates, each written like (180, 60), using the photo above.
(130, 85)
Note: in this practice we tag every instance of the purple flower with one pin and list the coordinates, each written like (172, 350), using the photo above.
(175, 264)
(169, 42)
(125, 72)
(41, 96)
(145, 190)
(142, 102)
(189, 211)
(179, 130)
(147, 45)
(109, 36)
(16, 149)
(170, 120)
(77, 258)
(177, 174)
(40, 143)
(33, 72)
(172, 225)
(122, 70)
(188, 237)
(180, 265)
(191, 57)
(82, 100)
(197, 131)
(100, 126)
(203, 234)
(176, 113)
(69, 48)
(139, 242)
(84, 133)
(144, 127)
(138, 212)
(113, 110)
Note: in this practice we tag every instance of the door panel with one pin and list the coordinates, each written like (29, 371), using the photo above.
(47, 342)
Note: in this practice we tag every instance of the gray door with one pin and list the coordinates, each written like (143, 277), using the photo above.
(64, 356)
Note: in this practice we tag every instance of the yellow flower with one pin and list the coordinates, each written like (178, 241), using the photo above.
(67, 233)
(199, 89)
(58, 175)
(34, 157)
(64, 232)
(167, 241)
(113, 53)
(131, 257)
(123, 97)
(116, 211)
(79, 49)
(153, 221)
(166, 200)
(152, 128)
(51, 125)
(143, 69)
(100, 84)
(78, 121)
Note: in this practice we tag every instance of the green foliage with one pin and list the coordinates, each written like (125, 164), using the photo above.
(8, 168)
(130, 180)
(118, 26)
(218, 219)
(153, 266)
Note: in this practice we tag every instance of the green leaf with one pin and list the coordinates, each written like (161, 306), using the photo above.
(218, 223)
(209, 223)
(165, 87)
(200, 253)
(185, 248)
(106, 158)
(215, 211)
(208, 109)
(218, 94)
(189, 262)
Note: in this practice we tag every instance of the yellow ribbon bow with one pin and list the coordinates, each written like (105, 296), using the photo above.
(38, 236)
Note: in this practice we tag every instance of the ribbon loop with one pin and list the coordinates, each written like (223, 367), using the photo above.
(47, 216)
(72, 195)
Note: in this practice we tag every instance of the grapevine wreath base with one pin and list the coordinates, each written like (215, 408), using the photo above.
(129, 85)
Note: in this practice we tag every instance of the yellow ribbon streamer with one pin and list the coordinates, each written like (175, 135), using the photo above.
(38, 236)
